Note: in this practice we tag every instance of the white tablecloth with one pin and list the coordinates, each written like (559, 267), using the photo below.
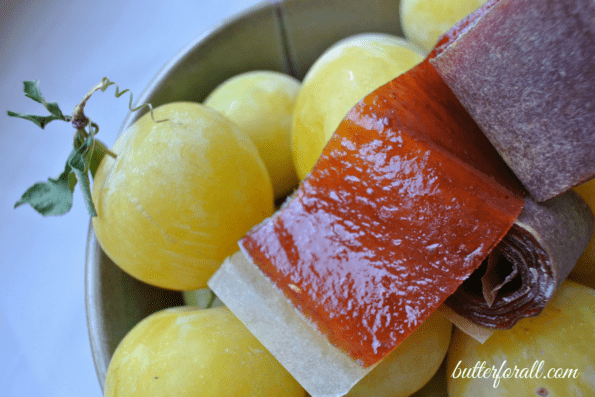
(69, 46)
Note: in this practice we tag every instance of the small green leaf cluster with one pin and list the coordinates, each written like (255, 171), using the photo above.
(54, 197)
(32, 91)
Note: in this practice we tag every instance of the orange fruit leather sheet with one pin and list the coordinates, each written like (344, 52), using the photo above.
(406, 201)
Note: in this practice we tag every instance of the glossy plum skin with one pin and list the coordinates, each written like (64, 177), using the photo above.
(261, 102)
(424, 21)
(187, 351)
(339, 78)
(411, 365)
(179, 195)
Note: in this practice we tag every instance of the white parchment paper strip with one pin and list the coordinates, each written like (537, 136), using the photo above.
(322, 369)
(477, 332)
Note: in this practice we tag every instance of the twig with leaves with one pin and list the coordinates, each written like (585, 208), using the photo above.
(54, 197)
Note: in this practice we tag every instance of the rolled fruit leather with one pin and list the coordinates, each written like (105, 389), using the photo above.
(406, 201)
(542, 247)
(528, 265)
(525, 71)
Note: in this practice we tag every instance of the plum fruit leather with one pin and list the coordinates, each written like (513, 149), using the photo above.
(525, 72)
(406, 201)
(409, 197)
(522, 273)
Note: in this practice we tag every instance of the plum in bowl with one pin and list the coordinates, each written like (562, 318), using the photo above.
(285, 36)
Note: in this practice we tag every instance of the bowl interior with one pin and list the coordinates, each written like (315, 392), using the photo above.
(286, 36)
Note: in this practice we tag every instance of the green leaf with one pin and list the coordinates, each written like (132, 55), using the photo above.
(77, 161)
(53, 197)
(32, 91)
(54, 109)
(41, 121)
(72, 181)
(99, 153)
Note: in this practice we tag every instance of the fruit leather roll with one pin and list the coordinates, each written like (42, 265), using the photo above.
(525, 71)
(405, 202)
(528, 265)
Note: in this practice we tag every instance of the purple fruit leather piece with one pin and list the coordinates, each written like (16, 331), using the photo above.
(525, 71)
(534, 258)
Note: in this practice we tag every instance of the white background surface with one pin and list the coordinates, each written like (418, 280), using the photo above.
(69, 46)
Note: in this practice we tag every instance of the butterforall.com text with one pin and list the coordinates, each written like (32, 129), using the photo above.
(537, 371)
